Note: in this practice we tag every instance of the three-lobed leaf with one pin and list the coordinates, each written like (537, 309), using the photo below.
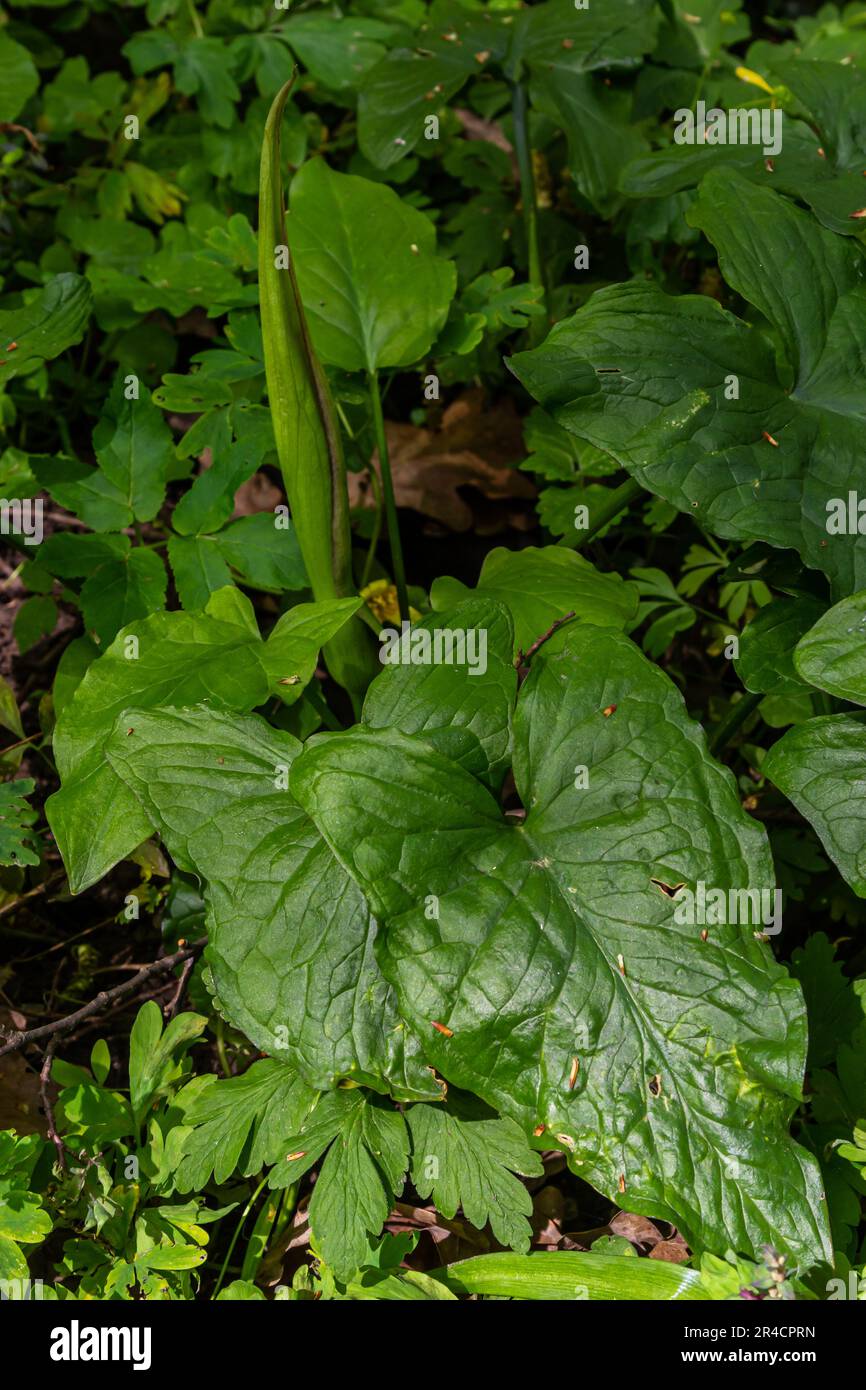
(552, 976)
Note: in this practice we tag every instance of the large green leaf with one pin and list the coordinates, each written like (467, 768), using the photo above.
(290, 938)
(821, 766)
(168, 659)
(647, 378)
(18, 77)
(823, 147)
(410, 84)
(545, 965)
(832, 655)
(47, 325)
(540, 587)
(467, 716)
(374, 290)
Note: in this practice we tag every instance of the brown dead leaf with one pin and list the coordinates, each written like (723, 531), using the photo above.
(454, 473)
(638, 1229)
(20, 1098)
(675, 1250)
(257, 494)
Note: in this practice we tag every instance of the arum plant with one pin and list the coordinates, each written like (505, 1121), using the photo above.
(304, 420)
(364, 290)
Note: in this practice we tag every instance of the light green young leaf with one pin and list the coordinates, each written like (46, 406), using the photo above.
(155, 1056)
(376, 299)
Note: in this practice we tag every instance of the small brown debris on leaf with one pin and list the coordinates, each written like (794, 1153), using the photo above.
(622, 1182)
(669, 890)
(655, 1085)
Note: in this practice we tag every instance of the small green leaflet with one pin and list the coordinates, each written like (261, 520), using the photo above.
(367, 1157)
(465, 1156)
(240, 1124)
(17, 840)
(18, 77)
(155, 1055)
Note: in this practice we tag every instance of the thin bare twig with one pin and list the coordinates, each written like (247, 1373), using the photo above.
(171, 1009)
(524, 659)
(103, 999)
(44, 1079)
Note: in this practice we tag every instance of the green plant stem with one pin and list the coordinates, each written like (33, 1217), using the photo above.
(234, 1240)
(221, 1049)
(736, 715)
(538, 325)
(618, 499)
(196, 19)
(390, 503)
(377, 531)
